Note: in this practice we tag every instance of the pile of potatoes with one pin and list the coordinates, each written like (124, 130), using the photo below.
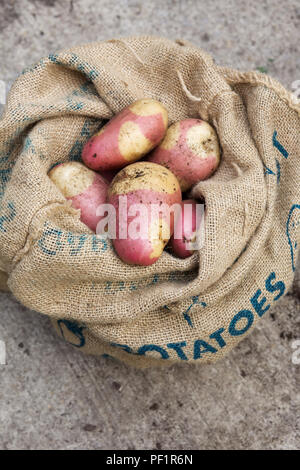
(172, 160)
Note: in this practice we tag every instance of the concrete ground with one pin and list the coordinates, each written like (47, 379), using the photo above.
(52, 397)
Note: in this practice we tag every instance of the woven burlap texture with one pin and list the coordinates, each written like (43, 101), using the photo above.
(192, 310)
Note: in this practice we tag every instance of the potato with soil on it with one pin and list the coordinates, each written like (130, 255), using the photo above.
(190, 150)
(145, 224)
(86, 189)
(187, 229)
(127, 137)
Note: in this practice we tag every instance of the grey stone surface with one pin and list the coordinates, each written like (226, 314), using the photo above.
(52, 397)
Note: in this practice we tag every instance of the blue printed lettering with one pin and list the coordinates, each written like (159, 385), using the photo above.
(49, 233)
(217, 336)
(277, 287)
(178, 348)
(202, 347)
(243, 314)
(258, 305)
(7, 218)
(278, 145)
(153, 347)
(122, 346)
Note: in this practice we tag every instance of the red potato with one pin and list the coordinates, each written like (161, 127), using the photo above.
(129, 136)
(186, 229)
(142, 235)
(86, 189)
(190, 150)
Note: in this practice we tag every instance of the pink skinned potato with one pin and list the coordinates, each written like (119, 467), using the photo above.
(185, 229)
(127, 137)
(190, 150)
(86, 189)
(151, 187)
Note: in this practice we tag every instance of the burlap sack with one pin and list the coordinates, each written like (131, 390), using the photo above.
(195, 309)
(3, 282)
